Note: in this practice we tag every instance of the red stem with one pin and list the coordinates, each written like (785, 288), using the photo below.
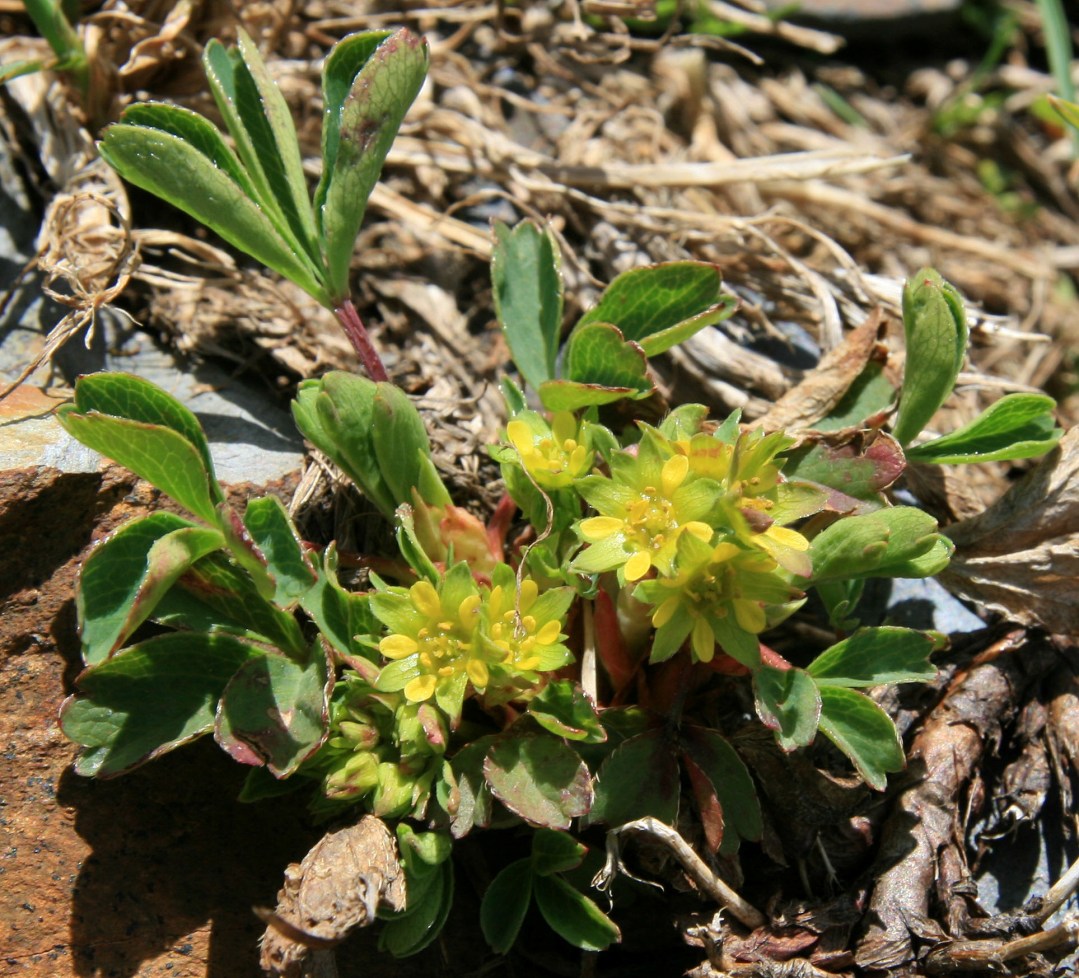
(361, 342)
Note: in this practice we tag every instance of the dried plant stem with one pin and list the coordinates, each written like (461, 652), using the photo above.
(361, 341)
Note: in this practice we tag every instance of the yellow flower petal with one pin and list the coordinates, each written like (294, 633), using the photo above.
(529, 593)
(665, 612)
(598, 528)
(397, 646)
(466, 613)
(702, 531)
(477, 673)
(788, 537)
(703, 641)
(674, 474)
(749, 615)
(563, 427)
(425, 599)
(549, 633)
(637, 565)
(419, 689)
(520, 436)
(724, 551)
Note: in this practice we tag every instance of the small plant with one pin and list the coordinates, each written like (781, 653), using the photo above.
(54, 21)
(558, 680)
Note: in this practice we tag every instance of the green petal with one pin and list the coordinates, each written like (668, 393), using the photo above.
(608, 555)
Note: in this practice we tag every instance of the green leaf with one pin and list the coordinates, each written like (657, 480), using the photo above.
(857, 469)
(562, 708)
(639, 778)
(271, 530)
(573, 916)
(340, 615)
(662, 305)
(177, 172)
(136, 399)
(1017, 426)
(217, 583)
(870, 393)
(1068, 111)
(538, 778)
(734, 788)
(193, 129)
(862, 731)
(275, 711)
(788, 704)
(555, 852)
(421, 923)
(600, 367)
(260, 122)
(898, 542)
(475, 800)
(149, 698)
(935, 325)
(873, 656)
(358, 130)
(129, 572)
(400, 441)
(505, 904)
(157, 454)
(527, 279)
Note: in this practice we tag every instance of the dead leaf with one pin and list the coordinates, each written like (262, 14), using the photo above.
(338, 887)
(823, 388)
(1020, 557)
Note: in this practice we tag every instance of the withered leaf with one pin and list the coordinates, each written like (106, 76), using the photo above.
(1020, 557)
(337, 887)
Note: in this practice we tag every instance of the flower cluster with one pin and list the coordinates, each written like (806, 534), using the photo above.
(442, 639)
(699, 518)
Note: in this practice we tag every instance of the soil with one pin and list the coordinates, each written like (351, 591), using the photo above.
(621, 142)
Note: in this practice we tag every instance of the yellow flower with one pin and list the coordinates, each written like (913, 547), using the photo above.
(555, 455)
(645, 508)
(432, 645)
(719, 594)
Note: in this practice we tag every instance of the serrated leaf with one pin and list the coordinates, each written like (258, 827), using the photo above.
(157, 454)
(662, 305)
(400, 440)
(180, 174)
(275, 711)
(573, 916)
(149, 698)
(562, 708)
(527, 288)
(862, 731)
(368, 120)
(935, 325)
(555, 852)
(1017, 426)
(538, 778)
(423, 922)
(259, 120)
(271, 529)
(126, 574)
(898, 542)
(874, 656)
(734, 788)
(639, 778)
(505, 904)
(340, 615)
(788, 704)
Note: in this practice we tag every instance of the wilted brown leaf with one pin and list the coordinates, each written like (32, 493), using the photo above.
(1021, 556)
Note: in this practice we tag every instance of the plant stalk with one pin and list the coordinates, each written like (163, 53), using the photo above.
(361, 342)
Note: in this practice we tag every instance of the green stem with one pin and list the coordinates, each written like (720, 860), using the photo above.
(361, 342)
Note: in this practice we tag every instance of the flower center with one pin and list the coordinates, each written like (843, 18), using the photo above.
(650, 518)
(442, 650)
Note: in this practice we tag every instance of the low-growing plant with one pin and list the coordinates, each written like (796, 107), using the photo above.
(557, 678)
(55, 22)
